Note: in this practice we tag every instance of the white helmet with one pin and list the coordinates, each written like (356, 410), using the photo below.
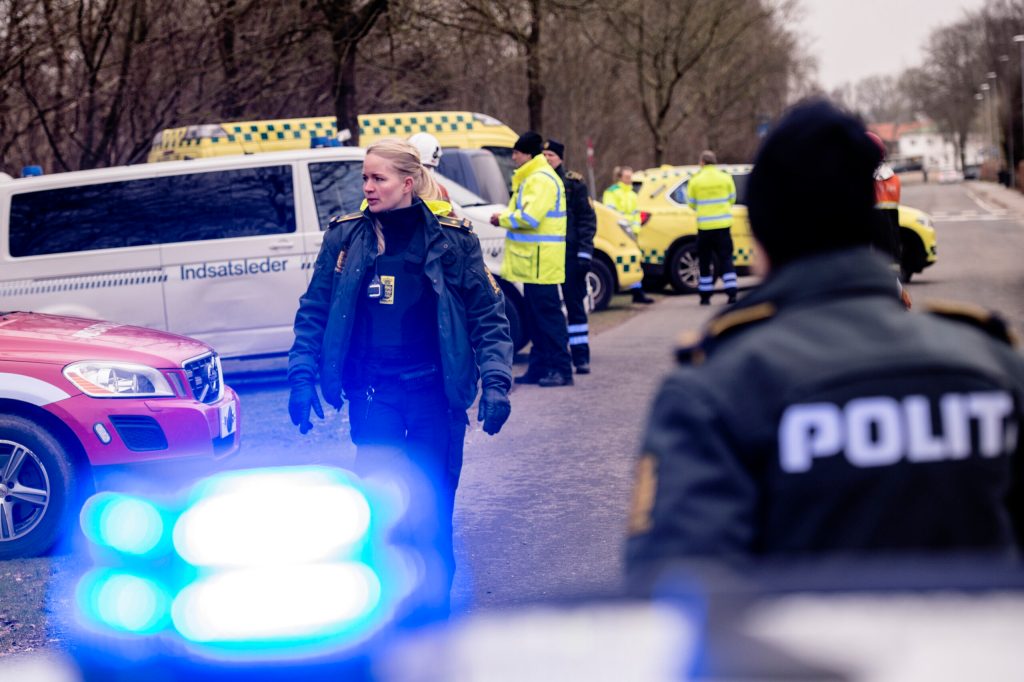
(428, 147)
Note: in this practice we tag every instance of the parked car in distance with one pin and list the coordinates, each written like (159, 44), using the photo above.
(84, 403)
(948, 174)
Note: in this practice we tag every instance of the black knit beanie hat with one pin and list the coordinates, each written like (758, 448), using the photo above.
(529, 143)
(812, 188)
(557, 147)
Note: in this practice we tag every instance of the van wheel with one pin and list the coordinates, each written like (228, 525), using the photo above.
(515, 311)
(600, 284)
(37, 483)
(683, 268)
(516, 328)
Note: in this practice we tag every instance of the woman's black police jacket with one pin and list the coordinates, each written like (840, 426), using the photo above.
(471, 323)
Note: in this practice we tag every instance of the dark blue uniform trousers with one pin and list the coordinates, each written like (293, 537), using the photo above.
(406, 431)
(549, 332)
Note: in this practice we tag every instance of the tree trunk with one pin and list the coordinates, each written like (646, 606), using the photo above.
(534, 77)
(345, 107)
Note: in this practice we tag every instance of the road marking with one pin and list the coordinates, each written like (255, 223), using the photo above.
(969, 216)
(985, 206)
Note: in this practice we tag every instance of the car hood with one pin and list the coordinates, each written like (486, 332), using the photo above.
(60, 339)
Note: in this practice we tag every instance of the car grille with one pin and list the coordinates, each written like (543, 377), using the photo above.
(204, 377)
(139, 433)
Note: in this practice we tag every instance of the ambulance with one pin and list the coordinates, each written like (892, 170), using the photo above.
(668, 237)
(617, 258)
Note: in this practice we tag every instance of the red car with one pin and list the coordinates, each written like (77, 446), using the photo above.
(82, 400)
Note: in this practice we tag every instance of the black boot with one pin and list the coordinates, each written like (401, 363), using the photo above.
(640, 297)
(555, 379)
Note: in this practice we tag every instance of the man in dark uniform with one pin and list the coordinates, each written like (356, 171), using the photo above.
(818, 415)
(581, 227)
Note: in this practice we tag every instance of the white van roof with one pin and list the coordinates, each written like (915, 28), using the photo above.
(147, 170)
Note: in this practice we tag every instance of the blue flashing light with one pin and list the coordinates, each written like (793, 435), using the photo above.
(278, 604)
(123, 602)
(31, 171)
(292, 516)
(123, 523)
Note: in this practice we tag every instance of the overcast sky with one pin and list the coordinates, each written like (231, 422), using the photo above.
(852, 39)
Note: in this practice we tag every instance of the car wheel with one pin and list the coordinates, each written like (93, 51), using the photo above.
(36, 488)
(912, 254)
(600, 284)
(683, 268)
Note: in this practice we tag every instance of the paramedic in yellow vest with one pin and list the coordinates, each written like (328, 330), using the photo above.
(711, 193)
(535, 256)
(623, 199)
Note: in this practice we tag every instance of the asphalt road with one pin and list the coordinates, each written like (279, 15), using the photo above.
(541, 510)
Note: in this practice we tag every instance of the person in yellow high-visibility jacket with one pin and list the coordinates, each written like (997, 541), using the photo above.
(535, 255)
(621, 196)
(711, 193)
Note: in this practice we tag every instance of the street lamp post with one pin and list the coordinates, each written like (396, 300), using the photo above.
(1003, 59)
(987, 113)
(1019, 39)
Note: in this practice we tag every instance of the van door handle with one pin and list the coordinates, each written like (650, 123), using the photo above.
(282, 246)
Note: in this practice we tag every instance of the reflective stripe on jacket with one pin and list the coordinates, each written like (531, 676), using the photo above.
(624, 200)
(536, 224)
(711, 193)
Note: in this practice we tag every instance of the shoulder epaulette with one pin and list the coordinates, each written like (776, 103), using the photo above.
(573, 175)
(339, 219)
(737, 319)
(986, 320)
(690, 348)
(693, 348)
(458, 223)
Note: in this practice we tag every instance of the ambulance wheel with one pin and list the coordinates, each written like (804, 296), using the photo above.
(37, 484)
(600, 284)
(683, 268)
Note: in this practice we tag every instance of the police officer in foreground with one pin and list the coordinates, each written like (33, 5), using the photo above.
(535, 255)
(818, 415)
(581, 227)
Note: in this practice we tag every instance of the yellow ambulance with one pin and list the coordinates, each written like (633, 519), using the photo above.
(668, 236)
(617, 257)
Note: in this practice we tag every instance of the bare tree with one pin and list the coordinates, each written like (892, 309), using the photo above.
(670, 43)
(348, 22)
(944, 88)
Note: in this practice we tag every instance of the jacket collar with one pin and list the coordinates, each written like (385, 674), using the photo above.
(435, 238)
(823, 277)
(529, 168)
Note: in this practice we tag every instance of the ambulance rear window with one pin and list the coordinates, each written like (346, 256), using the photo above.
(168, 209)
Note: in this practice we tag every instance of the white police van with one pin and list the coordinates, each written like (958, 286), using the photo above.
(218, 249)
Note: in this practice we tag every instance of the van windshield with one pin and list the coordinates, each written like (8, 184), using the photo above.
(459, 194)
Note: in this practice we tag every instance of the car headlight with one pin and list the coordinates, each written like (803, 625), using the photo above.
(925, 220)
(105, 379)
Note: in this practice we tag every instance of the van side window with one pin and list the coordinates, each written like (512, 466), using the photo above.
(337, 188)
(175, 208)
